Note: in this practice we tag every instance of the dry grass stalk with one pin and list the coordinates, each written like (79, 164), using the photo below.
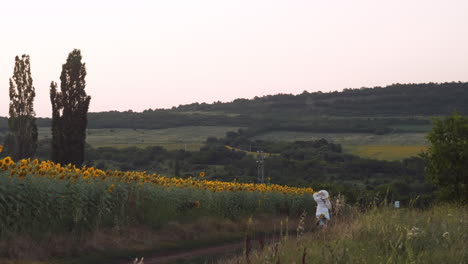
(138, 261)
(304, 255)
(301, 225)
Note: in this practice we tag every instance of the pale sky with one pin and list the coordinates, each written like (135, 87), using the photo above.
(159, 54)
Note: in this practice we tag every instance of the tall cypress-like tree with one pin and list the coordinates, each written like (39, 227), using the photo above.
(22, 139)
(69, 112)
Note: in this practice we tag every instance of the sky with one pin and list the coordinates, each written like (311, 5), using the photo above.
(158, 54)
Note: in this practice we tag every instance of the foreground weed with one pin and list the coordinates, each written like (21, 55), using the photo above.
(382, 235)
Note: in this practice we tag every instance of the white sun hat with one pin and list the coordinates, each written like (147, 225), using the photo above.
(324, 194)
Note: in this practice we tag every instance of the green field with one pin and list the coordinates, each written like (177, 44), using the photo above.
(189, 138)
(414, 128)
(395, 146)
(349, 138)
(384, 152)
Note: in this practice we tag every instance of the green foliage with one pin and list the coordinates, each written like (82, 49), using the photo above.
(69, 112)
(381, 235)
(22, 140)
(446, 158)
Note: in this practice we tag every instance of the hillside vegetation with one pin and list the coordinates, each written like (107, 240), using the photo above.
(393, 100)
(367, 110)
(380, 235)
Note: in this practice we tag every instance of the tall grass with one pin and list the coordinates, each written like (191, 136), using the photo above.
(381, 235)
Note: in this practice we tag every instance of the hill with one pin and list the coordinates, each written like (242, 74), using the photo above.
(424, 99)
(378, 110)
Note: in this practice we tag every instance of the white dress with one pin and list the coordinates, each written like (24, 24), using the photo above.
(321, 206)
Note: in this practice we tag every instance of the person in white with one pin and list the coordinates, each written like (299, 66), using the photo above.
(322, 198)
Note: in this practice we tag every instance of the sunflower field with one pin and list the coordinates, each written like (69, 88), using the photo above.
(41, 196)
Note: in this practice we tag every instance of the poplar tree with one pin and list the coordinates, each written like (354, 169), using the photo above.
(69, 112)
(22, 140)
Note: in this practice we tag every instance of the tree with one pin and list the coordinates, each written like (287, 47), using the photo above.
(22, 139)
(69, 112)
(446, 159)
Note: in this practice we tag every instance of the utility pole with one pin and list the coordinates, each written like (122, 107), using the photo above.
(260, 166)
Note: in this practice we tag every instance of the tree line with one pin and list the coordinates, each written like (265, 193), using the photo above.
(423, 99)
(69, 112)
(377, 110)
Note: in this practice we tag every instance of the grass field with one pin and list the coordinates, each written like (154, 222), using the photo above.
(414, 128)
(381, 235)
(189, 138)
(385, 147)
(384, 152)
(349, 138)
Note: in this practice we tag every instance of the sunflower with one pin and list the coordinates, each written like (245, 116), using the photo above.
(111, 188)
(202, 174)
(8, 161)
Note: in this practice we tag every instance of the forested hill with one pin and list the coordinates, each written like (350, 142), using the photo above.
(357, 110)
(394, 100)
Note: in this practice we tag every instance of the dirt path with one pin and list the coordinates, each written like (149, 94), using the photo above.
(224, 250)
(209, 251)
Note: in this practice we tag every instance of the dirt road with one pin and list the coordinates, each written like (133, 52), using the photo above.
(224, 250)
